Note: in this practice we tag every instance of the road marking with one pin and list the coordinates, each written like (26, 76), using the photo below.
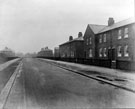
(6, 90)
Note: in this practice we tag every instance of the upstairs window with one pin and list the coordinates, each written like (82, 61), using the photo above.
(90, 53)
(105, 52)
(126, 33)
(90, 41)
(119, 53)
(100, 52)
(126, 52)
(87, 41)
(100, 39)
(104, 37)
(119, 34)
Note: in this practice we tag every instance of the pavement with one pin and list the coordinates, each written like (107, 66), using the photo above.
(40, 85)
(6, 64)
(6, 78)
(7, 88)
(123, 78)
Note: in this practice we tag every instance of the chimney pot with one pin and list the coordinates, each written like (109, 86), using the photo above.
(110, 21)
(80, 34)
(70, 38)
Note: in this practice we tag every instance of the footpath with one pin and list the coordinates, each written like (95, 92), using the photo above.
(6, 64)
(123, 78)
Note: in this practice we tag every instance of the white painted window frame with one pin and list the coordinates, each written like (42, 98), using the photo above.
(119, 34)
(126, 32)
(90, 53)
(100, 52)
(126, 53)
(119, 54)
(105, 54)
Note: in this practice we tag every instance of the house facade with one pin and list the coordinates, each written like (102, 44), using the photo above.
(72, 48)
(89, 40)
(115, 44)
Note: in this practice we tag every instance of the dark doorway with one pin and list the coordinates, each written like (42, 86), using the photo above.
(112, 57)
(113, 54)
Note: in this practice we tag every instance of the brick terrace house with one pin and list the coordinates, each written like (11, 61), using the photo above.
(116, 43)
(89, 40)
(72, 49)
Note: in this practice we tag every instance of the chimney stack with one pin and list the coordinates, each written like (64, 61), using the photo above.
(70, 38)
(80, 34)
(110, 21)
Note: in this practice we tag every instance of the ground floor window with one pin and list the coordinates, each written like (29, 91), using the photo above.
(105, 54)
(90, 53)
(126, 51)
(119, 53)
(100, 52)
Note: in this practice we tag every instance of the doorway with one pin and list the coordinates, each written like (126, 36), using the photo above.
(112, 57)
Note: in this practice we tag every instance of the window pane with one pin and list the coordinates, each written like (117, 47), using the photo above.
(100, 39)
(90, 40)
(119, 51)
(126, 33)
(90, 53)
(100, 52)
(104, 52)
(126, 53)
(119, 34)
(104, 37)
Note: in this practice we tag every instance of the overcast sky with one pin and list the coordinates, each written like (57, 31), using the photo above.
(29, 25)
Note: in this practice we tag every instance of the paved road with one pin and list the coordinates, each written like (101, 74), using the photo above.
(40, 85)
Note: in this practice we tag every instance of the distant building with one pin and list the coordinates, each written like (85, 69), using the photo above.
(19, 54)
(56, 52)
(7, 52)
(72, 48)
(45, 52)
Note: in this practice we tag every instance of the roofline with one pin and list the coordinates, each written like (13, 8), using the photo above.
(97, 24)
(70, 42)
(116, 27)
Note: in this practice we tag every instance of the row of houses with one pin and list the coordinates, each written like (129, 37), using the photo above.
(7, 52)
(111, 45)
(45, 52)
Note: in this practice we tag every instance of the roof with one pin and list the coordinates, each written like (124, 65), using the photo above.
(118, 24)
(96, 28)
(76, 39)
(47, 50)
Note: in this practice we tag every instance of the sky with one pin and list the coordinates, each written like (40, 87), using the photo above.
(29, 25)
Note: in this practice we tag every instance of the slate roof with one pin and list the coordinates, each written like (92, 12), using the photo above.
(96, 28)
(118, 24)
(76, 39)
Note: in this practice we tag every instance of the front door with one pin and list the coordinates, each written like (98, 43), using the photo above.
(112, 57)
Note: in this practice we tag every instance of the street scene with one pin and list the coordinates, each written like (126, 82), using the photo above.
(67, 54)
(40, 85)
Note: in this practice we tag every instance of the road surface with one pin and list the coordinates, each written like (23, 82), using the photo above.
(40, 85)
